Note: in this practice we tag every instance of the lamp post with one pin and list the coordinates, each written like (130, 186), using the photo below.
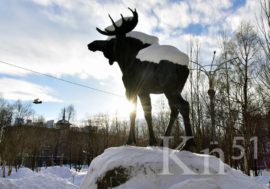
(211, 90)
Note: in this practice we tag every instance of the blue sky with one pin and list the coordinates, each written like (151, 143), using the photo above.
(51, 36)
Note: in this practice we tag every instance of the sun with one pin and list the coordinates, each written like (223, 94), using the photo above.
(125, 107)
(129, 107)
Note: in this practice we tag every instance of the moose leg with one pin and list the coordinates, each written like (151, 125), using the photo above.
(147, 108)
(184, 110)
(177, 103)
(132, 116)
(172, 99)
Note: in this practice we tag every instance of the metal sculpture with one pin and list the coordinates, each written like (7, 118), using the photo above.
(142, 78)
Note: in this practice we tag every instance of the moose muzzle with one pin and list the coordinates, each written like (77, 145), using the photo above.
(97, 45)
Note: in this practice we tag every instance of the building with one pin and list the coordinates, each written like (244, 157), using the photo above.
(63, 123)
(49, 124)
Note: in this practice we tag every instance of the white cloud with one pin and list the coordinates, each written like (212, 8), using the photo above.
(173, 15)
(52, 38)
(13, 89)
(247, 13)
(208, 11)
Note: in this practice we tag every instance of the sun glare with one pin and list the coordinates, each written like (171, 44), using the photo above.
(125, 107)
(129, 107)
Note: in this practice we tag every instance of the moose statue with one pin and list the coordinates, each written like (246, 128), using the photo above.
(147, 69)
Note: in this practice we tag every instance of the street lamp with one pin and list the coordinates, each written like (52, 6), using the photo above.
(211, 91)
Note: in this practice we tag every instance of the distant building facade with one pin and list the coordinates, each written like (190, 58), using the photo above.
(49, 124)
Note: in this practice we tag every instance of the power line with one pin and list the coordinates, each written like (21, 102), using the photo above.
(60, 79)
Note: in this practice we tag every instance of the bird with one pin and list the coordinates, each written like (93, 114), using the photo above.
(37, 101)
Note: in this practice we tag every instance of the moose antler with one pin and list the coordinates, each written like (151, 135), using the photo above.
(126, 26)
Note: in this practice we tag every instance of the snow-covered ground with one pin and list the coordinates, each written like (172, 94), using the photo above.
(144, 166)
(47, 178)
(264, 178)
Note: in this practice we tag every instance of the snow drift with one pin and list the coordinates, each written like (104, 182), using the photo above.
(137, 167)
(55, 177)
(25, 180)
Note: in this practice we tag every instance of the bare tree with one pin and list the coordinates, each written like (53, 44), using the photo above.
(264, 73)
(22, 110)
(6, 113)
(246, 47)
(162, 117)
(264, 26)
(71, 112)
(68, 113)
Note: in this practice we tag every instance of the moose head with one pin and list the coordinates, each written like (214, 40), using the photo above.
(118, 47)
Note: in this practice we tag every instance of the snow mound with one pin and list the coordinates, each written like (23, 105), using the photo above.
(36, 181)
(130, 167)
(62, 172)
(143, 37)
(54, 177)
(196, 183)
(22, 173)
(155, 53)
(264, 178)
(79, 176)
